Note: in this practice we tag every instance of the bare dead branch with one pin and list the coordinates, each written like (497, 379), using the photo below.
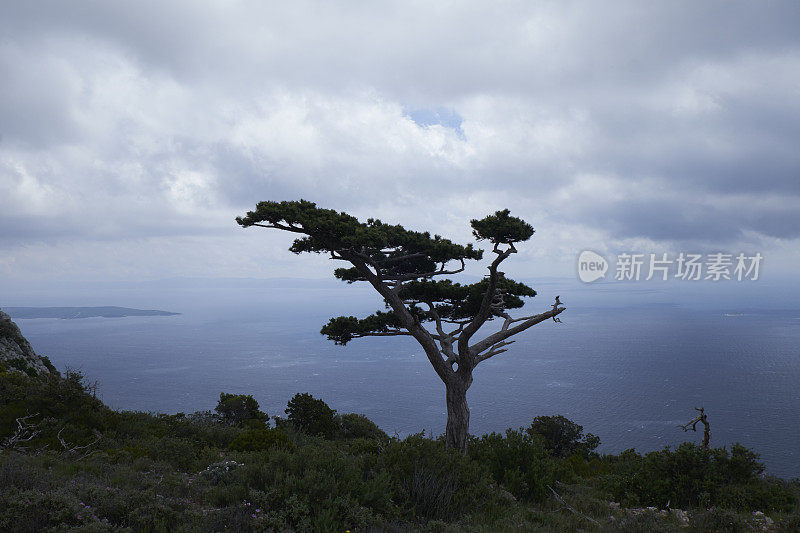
(493, 350)
(701, 418)
(74, 450)
(506, 331)
(572, 509)
(25, 432)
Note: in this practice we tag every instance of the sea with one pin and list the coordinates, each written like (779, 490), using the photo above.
(629, 362)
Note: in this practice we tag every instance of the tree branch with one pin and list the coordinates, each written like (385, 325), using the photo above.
(486, 304)
(440, 272)
(422, 335)
(506, 331)
(68, 449)
(380, 334)
(293, 229)
(25, 432)
(445, 340)
(702, 417)
(493, 350)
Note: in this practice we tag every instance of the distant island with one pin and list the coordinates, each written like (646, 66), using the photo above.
(81, 312)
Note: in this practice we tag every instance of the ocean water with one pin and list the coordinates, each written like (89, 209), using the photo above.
(629, 363)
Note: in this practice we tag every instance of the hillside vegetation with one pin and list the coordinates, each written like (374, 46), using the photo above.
(68, 462)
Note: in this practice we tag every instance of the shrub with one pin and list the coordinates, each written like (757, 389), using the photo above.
(518, 460)
(48, 364)
(688, 476)
(21, 364)
(260, 439)
(763, 495)
(316, 487)
(563, 437)
(569, 469)
(313, 416)
(360, 427)
(434, 482)
(236, 409)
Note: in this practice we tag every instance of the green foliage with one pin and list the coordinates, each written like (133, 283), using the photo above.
(48, 364)
(502, 228)
(9, 330)
(329, 231)
(575, 467)
(517, 460)
(53, 403)
(563, 437)
(343, 329)
(689, 476)
(754, 495)
(455, 301)
(312, 416)
(255, 440)
(35, 511)
(355, 426)
(436, 482)
(198, 473)
(395, 253)
(22, 365)
(236, 409)
(451, 301)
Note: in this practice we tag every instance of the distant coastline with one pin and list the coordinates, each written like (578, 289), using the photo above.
(81, 312)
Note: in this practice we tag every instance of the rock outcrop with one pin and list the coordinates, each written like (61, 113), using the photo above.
(16, 353)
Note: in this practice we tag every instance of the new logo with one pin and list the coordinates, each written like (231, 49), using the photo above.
(591, 266)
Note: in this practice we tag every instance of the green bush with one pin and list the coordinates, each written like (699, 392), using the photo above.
(237, 409)
(197, 473)
(563, 437)
(689, 476)
(316, 487)
(21, 364)
(48, 364)
(260, 439)
(360, 427)
(574, 467)
(35, 511)
(434, 482)
(517, 460)
(313, 416)
(762, 495)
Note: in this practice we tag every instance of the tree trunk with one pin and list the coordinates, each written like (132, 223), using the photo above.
(457, 417)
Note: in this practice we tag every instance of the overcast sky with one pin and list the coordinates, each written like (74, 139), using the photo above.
(133, 133)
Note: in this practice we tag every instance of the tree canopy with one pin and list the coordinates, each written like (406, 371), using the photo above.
(405, 260)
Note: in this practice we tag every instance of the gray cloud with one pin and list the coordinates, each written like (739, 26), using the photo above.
(670, 122)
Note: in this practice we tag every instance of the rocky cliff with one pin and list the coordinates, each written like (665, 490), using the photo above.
(16, 353)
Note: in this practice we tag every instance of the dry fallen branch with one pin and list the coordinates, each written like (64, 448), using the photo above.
(701, 418)
(70, 450)
(25, 432)
(572, 509)
(556, 309)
